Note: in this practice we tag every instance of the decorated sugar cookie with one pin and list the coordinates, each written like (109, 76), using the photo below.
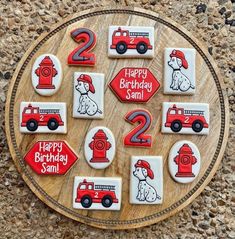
(138, 137)
(179, 71)
(46, 74)
(134, 85)
(82, 55)
(88, 95)
(185, 118)
(130, 41)
(184, 161)
(43, 117)
(99, 193)
(51, 157)
(99, 147)
(146, 180)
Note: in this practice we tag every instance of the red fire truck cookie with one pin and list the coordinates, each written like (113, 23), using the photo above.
(146, 180)
(134, 84)
(185, 118)
(51, 157)
(46, 75)
(184, 161)
(99, 193)
(88, 95)
(43, 117)
(99, 147)
(129, 41)
(179, 71)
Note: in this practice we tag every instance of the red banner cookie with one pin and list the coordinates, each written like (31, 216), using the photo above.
(50, 157)
(134, 85)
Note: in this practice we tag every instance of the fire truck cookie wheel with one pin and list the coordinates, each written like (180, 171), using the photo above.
(32, 125)
(52, 124)
(86, 201)
(141, 47)
(46, 75)
(184, 161)
(176, 126)
(197, 126)
(121, 47)
(107, 201)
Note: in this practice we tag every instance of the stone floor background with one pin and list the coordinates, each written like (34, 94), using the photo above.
(211, 215)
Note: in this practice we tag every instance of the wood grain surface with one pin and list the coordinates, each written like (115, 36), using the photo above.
(56, 191)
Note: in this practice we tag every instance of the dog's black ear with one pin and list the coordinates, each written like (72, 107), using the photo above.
(179, 62)
(144, 172)
(86, 85)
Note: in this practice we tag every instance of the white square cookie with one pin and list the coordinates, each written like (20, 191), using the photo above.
(179, 71)
(146, 180)
(88, 95)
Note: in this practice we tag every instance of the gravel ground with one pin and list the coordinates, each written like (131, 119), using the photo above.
(211, 215)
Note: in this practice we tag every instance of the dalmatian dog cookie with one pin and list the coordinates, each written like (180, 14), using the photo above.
(146, 192)
(88, 95)
(87, 105)
(146, 180)
(179, 71)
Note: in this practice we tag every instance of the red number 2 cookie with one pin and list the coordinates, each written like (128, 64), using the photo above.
(137, 137)
(82, 55)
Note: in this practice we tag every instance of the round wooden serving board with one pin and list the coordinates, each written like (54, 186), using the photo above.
(56, 191)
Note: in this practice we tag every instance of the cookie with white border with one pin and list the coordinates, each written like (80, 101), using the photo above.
(46, 74)
(131, 41)
(184, 161)
(43, 117)
(146, 180)
(88, 95)
(99, 147)
(99, 193)
(185, 118)
(179, 71)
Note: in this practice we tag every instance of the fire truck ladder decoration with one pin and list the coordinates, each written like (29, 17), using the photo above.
(131, 85)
